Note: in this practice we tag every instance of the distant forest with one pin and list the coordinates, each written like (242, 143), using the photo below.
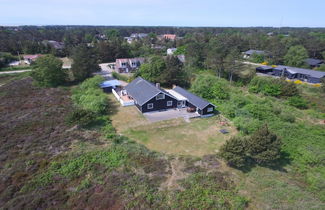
(197, 43)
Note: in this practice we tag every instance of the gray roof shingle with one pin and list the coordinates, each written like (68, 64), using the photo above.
(251, 52)
(193, 99)
(141, 90)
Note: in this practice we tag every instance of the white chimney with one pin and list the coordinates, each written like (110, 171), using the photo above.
(158, 85)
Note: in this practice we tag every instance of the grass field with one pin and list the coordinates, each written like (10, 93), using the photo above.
(199, 137)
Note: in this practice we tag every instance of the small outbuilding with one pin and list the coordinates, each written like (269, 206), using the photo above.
(313, 63)
(108, 85)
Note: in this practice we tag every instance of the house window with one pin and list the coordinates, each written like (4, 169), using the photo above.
(150, 106)
(134, 64)
(169, 103)
(123, 64)
(160, 96)
(210, 109)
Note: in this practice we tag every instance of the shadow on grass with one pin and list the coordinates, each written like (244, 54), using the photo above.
(277, 166)
(112, 107)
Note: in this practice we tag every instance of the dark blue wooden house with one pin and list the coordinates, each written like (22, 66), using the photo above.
(149, 97)
(306, 75)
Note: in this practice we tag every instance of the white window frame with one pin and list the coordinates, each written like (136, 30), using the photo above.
(158, 96)
(150, 106)
(169, 103)
(210, 109)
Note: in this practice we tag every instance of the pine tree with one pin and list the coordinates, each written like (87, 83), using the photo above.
(264, 147)
(234, 152)
(84, 63)
(47, 71)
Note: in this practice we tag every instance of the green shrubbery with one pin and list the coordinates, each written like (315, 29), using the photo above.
(120, 76)
(81, 117)
(207, 192)
(263, 147)
(273, 87)
(210, 87)
(257, 58)
(48, 72)
(298, 101)
(77, 166)
(89, 96)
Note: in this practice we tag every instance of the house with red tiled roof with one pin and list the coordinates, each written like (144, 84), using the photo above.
(28, 59)
(171, 37)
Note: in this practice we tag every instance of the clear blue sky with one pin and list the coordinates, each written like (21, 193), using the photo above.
(239, 13)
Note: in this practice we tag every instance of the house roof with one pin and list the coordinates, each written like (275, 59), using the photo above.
(251, 52)
(31, 57)
(110, 83)
(170, 36)
(294, 70)
(193, 99)
(176, 95)
(264, 68)
(313, 62)
(142, 90)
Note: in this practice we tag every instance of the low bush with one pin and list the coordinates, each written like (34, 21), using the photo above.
(108, 131)
(273, 87)
(287, 117)
(210, 87)
(89, 96)
(298, 102)
(81, 117)
(246, 125)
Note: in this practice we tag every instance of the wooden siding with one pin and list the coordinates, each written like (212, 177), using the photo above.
(159, 105)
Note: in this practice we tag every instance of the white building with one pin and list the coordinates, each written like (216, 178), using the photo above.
(170, 51)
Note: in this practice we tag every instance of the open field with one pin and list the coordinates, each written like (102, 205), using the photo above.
(199, 137)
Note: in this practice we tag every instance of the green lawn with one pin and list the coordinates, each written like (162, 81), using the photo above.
(199, 137)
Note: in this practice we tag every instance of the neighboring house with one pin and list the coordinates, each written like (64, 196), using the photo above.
(129, 39)
(139, 35)
(157, 47)
(127, 65)
(313, 63)
(148, 97)
(249, 53)
(170, 51)
(171, 37)
(289, 72)
(56, 45)
(135, 36)
(270, 33)
(28, 59)
(14, 63)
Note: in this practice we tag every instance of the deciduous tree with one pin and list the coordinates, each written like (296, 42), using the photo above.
(296, 56)
(48, 72)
